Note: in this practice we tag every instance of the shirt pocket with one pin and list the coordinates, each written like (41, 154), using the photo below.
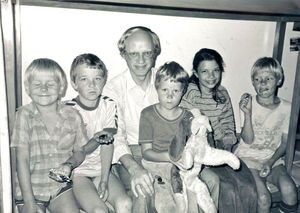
(67, 139)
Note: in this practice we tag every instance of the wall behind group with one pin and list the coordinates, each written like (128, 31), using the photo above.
(62, 34)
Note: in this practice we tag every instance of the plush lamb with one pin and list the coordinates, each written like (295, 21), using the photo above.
(191, 155)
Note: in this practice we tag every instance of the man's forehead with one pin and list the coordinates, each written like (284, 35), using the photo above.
(139, 39)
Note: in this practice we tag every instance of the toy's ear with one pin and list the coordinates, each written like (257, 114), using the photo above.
(175, 149)
(178, 143)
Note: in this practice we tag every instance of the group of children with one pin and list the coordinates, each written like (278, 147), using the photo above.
(64, 135)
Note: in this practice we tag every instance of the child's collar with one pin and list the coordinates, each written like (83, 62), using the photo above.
(77, 100)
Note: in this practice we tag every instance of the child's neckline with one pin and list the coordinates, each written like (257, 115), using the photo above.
(270, 106)
(83, 106)
(164, 118)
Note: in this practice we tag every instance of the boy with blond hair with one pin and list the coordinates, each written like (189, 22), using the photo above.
(93, 183)
(47, 134)
(264, 135)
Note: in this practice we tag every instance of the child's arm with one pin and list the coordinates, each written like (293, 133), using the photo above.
(106, 158)
(245, 105)
(228, 124)
(149, 154)
(278, 154)
(24, 179)
(97, 139)
(74, 161)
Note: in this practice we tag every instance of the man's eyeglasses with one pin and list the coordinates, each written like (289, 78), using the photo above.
(136, 55)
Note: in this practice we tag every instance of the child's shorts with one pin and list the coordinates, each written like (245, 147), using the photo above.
(45, 204)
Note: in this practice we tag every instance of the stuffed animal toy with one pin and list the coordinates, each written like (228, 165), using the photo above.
(190, 155)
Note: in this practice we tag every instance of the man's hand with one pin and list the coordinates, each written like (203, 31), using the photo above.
(142, 182)
(103, 190)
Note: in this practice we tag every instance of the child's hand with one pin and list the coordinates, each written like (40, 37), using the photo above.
(61, 173)
(246, 103)
(228, 141)
(103, 190)
(265, 171)
(103, 137)
(32, 207)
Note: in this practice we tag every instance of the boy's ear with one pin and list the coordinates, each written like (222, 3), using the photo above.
(74, 85)
(27, 90)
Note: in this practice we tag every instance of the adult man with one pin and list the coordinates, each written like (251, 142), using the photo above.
(134, 90)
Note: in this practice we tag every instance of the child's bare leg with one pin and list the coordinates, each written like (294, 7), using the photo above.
(87, 195)
(64, 202)
(118, 196)
(264, 197)
(287, 188)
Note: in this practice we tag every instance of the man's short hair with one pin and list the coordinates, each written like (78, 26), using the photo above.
(130, 31)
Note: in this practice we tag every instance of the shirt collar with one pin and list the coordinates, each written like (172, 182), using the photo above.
(35, 112)
(86, 107)
(131, 84)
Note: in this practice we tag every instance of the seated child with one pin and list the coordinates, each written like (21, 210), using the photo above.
(158, 126)
(206, 93)
(264, 135)
(47, 134)
(93, 183)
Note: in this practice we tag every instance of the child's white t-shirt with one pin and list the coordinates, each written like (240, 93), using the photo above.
(268, 126)
(95, 119)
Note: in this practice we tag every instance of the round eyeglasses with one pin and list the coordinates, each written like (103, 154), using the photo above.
(136, 55)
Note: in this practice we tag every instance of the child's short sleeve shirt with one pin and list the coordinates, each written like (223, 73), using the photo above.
(268, 126)
(156, 129)
(103, 115)
(47, 151)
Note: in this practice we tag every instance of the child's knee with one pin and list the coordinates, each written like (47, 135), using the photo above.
(99, 210)
(124, 202)
(287, 185)
(264, 200)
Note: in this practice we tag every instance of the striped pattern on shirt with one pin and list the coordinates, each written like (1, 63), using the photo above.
(46, 150)
(220, 114)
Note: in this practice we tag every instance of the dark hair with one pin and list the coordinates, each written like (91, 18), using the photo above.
(172, 70)
(90, 60)
(206, 54)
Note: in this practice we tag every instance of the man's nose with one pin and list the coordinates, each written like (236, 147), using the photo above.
(141, 58)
